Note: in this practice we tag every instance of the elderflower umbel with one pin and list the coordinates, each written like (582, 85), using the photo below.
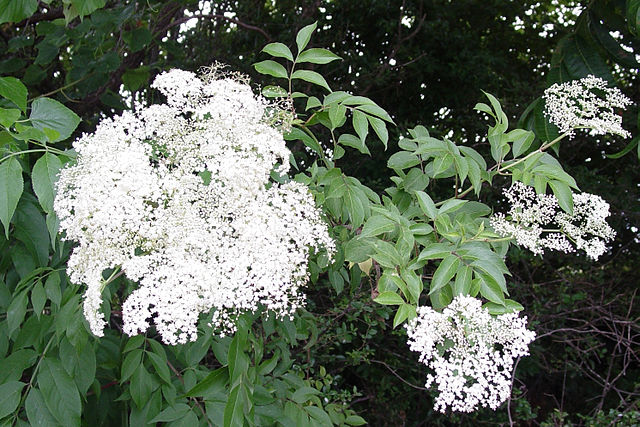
(586, 103)
(178, 195)
(537, 223)
(470, 353)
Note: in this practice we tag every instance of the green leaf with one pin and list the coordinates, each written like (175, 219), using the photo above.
(405, 311)
(43, 177)
(16, 10)
(9, 116)
(360, 124)
(237, 359)
(16, 311)
(563, 194)
(633, 16)
(59, 392)
(303, 394)
(49, 113)
(311, 77)
(274, 92)
(141, 386)
(86, 7)
(52, 288)
(352, 141)
(137, 39)
(38, 298)
(234, 409)
(625, 150)
(159, 362)
(297, 133)
(13, 89)
(389, 298)
(444, 273)
(11, 186)
(304, 35)
(317, 56)
(31, 229)
(402, 160)
(376, 225)
(415, 180)
(337, 114)
(278, 50)
(37, 411)
(380, 129)
(522, 140)
(491, 290)
(376, 111)
(271, 68)
(10, 397)
(462, 284)
(214, 381)
(134, 79)
(172, 413)
(355, 420)
(426, 204)
(130, 364)
(509, 306)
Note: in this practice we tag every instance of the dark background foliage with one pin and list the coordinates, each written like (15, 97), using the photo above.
(426, 62)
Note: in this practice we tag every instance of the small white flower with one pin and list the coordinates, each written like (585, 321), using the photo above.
(537, 223)
(470, 353)
(586, 103)
(179, 196)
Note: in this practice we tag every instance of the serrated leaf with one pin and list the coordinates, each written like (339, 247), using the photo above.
(12, 88)
(37, 412)
(404, 312)
(509, 306)
(389, 298)
(11, 186)
(274, 92)
(311, 77)
(402, 160)
(49, 113)
(59, 392)
(303, 394)
(278, 50)
(360, 124)
(444, 273)
(271, 68)
(9, 116)
(380, 129)
(304, 35)
(353, 141)
(376, 225)
(563, 194)
(10, 397)
(44, 176)
(297, 133)
(317, 56)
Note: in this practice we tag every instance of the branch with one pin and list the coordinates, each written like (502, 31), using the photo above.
(225, 18)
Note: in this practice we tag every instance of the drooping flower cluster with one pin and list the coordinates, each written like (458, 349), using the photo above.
(586, 103)
(470, 353)
(537, 223)
(178, 196)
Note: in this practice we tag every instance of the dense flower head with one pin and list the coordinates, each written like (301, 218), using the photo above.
(586, 103)
(178, 195)
(470, 353)
(536, 222)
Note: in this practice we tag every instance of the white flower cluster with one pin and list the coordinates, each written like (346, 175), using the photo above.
(178, 195)
(530, 213)
(470, 352)
(586, 103)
